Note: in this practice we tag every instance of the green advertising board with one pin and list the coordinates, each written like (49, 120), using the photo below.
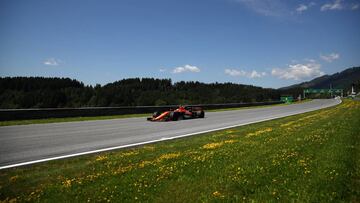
(287, 99)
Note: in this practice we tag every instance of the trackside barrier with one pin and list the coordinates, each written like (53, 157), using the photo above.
(24, 114)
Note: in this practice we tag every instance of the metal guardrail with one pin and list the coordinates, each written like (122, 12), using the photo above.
(24, 114)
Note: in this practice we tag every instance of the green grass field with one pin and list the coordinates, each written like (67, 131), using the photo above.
(312, 157)
(71, 119)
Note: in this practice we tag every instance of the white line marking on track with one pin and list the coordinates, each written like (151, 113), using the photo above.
(152, 141)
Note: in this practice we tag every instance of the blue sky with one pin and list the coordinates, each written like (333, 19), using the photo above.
(268, 43)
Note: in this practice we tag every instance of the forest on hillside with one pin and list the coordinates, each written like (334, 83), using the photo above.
(41, 92)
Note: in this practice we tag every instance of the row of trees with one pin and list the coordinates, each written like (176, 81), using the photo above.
(40, 92)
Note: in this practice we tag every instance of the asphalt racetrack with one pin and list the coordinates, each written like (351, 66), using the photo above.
(27, 144)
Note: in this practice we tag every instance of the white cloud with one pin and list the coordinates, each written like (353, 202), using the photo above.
(336, 5)
(312, 4)
(355, 6)
(303, 7)
(255, 74)
(242, 73)
(234, 72)
(339, 5)
(161, 70)
(298, 71)
(52, 62)
(186, 68)
(266, 7)
(309, 60)
(330, 57)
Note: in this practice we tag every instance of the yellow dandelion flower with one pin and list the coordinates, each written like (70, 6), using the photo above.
(130, 153)
(213, 145)
(151, 148)
(67, 183)
(217, 194)
(144, 163)
(230, 141)
(14, 178)
(287, 124)
(101, 158)
(259, 132)
(302, 162)
(124, 169)
(168, 156)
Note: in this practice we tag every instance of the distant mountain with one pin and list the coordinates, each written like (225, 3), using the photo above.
(341, 80)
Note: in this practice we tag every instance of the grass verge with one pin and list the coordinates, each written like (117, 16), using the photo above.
(312, 157)
(253, 107)
(72, 119)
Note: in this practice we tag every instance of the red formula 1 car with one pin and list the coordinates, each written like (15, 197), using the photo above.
(178, 114)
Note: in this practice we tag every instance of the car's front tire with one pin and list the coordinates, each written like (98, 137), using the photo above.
(202, 114)
(156, 114)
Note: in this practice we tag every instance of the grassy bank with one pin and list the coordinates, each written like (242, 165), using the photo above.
(312, 157)
(72, 119)
(252, 107)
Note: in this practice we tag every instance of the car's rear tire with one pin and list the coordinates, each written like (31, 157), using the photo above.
(174, 116)
(180, 116)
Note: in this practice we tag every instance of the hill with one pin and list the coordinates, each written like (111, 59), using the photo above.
(341, 80)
